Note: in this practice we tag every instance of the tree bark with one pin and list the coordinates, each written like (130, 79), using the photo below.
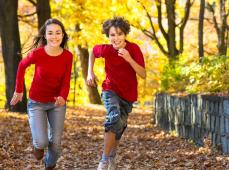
(83, 54)
(220, 26)
(11, 50)
(43, 11)
(200, 28)
(93, 93)
(222, 48)
(171, 44)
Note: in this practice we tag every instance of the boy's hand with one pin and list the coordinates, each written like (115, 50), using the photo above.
(16, 98)
(122, 52)
(91, 80)
(59, 101)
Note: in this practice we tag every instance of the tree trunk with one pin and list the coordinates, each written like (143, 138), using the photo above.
(170, 8)
(200, 28)
(43, 11)
(93, 93)
(220, 26)
(171, 50)
(11, 49)
(222, 33)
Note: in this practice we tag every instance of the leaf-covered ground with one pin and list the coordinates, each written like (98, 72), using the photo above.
(143, 146)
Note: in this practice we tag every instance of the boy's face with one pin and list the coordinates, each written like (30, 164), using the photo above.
(117, 38)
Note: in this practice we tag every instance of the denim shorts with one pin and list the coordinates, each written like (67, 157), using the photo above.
(117, 113)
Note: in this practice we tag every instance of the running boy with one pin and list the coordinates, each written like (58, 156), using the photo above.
(123, 59)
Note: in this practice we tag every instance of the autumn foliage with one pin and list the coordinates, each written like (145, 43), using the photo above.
(143, 146)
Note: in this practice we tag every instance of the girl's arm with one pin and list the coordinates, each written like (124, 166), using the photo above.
(61, 99)
(24, 63)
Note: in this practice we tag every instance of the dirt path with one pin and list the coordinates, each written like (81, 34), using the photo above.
(143, 147)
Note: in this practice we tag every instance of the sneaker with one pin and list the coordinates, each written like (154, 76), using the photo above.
(112, 163)
(38, 153)
(103, 165)
(50, 167)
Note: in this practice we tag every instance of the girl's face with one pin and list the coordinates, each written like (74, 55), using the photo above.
(54, 35)
(117, 38)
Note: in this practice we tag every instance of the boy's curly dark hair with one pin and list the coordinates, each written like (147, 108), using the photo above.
(117, 22)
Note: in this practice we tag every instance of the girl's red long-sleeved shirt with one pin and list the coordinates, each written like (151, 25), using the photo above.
(51, 78)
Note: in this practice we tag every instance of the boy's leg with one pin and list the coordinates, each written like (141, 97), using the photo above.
(109, 143)
(125, 109)
(115, 124)
(112, 156)
(114, 148)
(111, 104)
(56, 117)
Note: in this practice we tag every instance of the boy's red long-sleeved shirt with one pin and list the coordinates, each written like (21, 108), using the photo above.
(120, 76)
(51, 78)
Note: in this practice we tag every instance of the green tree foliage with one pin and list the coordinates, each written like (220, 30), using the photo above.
(211, 75)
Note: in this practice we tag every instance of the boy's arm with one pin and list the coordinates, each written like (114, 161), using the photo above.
(91, 78)
(137, 67)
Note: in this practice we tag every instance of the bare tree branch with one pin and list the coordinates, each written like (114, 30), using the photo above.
(185, 19)
(33, 2)
(160, 19)
(187, 12)
(192, 2)
(27, 15)
(153, 37)
(148, 33)
(212, 10)
(29, 22)
(153, 29)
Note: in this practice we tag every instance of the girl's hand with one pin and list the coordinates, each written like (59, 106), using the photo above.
(122, 52)
(59, 101)
(91, 79)
(16, 98)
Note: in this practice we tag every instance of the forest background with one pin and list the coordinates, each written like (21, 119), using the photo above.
(185, 44)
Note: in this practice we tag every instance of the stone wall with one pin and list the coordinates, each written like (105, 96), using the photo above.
(195, 117)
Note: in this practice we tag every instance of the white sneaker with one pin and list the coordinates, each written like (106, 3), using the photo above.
(112, 163)
(103, 165)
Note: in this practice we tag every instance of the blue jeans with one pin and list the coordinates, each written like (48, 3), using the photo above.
(117, 113)
(47, 123)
